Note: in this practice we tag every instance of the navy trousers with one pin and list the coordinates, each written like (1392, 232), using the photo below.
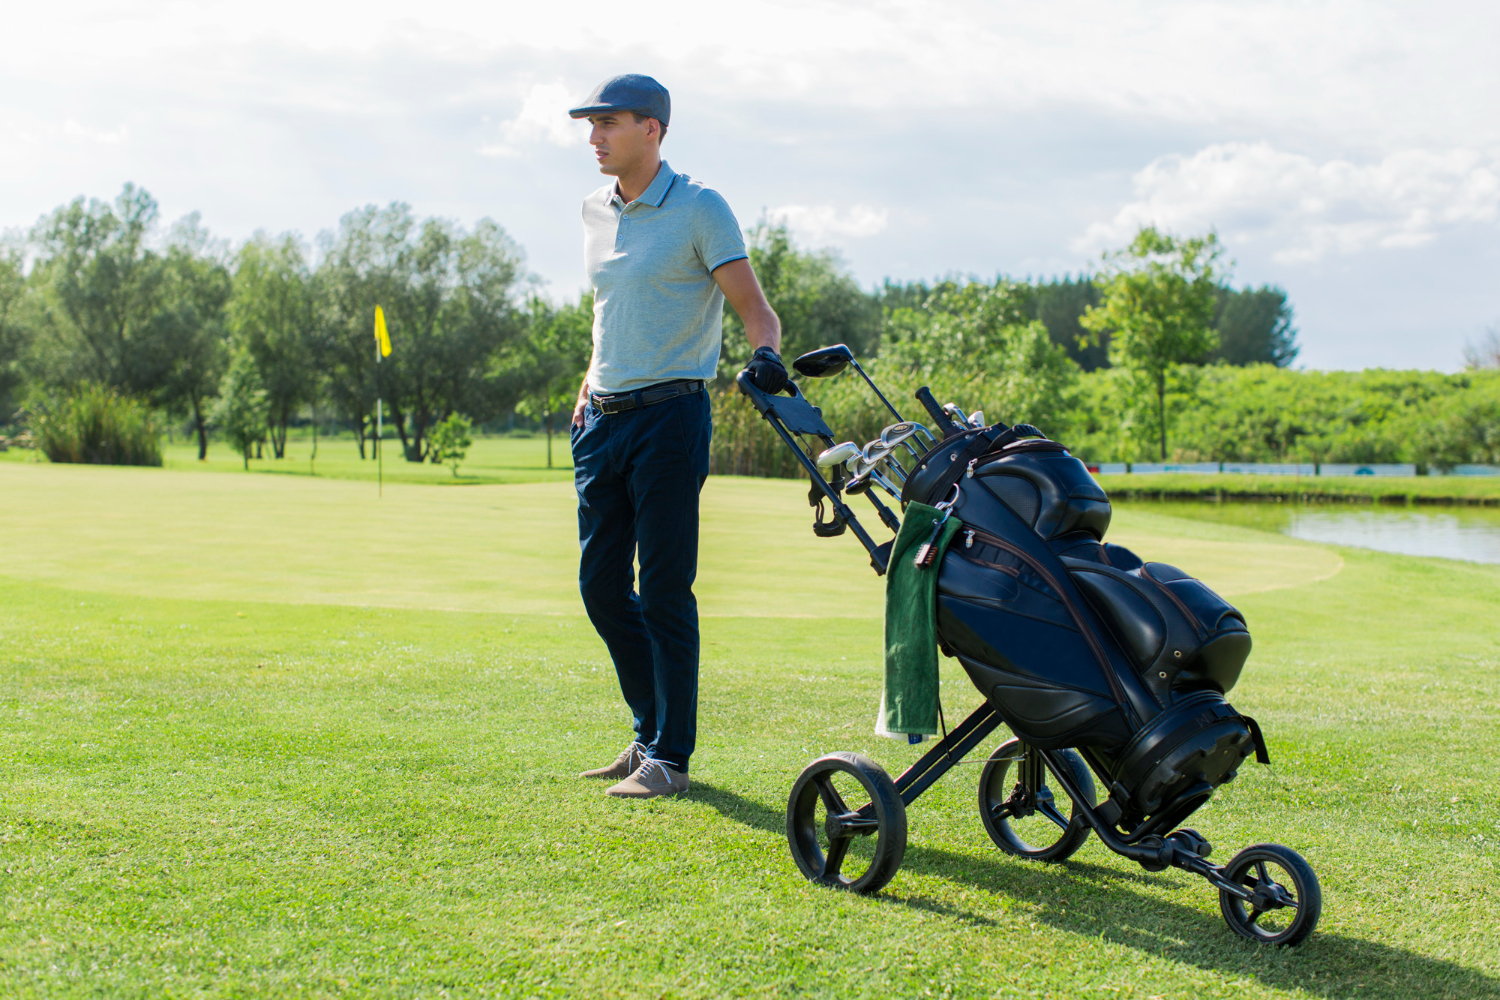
(638, 476)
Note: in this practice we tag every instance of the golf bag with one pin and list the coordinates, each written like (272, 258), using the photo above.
(1077, 642)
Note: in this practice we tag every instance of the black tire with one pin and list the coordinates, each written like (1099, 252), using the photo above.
(1019, 809)
(858, 849)
(1280, 914)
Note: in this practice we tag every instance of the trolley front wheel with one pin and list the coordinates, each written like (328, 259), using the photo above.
(857, 848)
(1285, 899)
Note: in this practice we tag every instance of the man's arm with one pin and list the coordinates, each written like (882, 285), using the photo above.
(736, 280)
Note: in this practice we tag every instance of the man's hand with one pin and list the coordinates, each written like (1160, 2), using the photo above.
(581, 405)
(767, 373)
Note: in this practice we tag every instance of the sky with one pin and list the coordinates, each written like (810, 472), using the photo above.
(1348, 152)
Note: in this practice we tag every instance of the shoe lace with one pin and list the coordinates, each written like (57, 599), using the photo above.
(652, 769)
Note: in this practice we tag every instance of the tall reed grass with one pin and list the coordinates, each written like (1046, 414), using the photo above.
(96, 426)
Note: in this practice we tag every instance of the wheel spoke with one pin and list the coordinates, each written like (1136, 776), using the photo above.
(1255, 913)
(858, 823)
(832, 801)
(1260, 872)
(1048, 810)
(834, 859)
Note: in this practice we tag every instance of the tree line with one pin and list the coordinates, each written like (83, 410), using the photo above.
(249, 340)
(1153, 355)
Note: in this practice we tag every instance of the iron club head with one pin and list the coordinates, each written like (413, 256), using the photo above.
(837, 455)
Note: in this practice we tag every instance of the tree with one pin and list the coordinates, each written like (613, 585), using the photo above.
(14, 335)
(360, 268)
(190, 325)
(447, 295)
(451, 440)
(545, 368)
(271, 316)
(118, 313)
(812, 294)
(105, 290)
(242, 408)
(1158, 308)
(1254, 326)
(1060, 305)
(1485, 353)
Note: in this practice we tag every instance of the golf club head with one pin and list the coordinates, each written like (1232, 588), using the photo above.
(824, 362)
(875, 451)
(837, 455)
(896, 433)
(977, 418)
(952, 409)
(903, 435)
(869, 473)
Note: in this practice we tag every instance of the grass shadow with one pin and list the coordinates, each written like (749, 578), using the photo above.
(1097, 901)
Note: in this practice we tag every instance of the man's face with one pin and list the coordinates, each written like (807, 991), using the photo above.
(622, 143)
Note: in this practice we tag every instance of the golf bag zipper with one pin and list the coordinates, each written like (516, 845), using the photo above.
(1115, 687)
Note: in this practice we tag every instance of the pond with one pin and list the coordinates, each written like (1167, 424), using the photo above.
(1467, 533)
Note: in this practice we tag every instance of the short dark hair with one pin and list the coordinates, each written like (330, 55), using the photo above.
(640, 118)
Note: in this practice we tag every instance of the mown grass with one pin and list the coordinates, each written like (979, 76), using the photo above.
(492, 459)
(258, 789)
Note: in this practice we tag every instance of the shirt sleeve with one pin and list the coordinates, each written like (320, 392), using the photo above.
(716, 232)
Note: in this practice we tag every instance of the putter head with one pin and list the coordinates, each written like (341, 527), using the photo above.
(824, 362)
(837, 455)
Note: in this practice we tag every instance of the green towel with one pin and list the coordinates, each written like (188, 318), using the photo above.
(910, 701)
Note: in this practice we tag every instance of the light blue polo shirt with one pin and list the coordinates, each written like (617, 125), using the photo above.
(658, 313)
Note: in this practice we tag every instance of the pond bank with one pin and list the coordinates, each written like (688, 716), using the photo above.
(1384, 490)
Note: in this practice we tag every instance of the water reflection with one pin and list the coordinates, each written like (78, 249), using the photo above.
(1467, 533)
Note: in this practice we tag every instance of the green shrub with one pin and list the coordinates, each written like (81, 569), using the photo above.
(97, 426)
(451, 441)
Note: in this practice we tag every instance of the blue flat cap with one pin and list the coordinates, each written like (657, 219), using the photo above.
(628, 92)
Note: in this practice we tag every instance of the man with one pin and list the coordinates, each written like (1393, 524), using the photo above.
(662, 252)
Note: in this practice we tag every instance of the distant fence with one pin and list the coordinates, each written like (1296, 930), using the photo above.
(1283, 469)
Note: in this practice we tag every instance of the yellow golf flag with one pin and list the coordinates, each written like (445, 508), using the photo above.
(382, 338)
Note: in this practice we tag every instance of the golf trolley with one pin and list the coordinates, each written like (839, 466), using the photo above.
(1101, 665)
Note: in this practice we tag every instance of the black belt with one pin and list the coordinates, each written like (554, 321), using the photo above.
(619, 402)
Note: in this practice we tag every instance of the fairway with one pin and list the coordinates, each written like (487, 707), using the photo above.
(275, 735)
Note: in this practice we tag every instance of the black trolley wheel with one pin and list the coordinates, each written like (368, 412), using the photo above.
(1021, 812)
(859, 848)
(1278, 913)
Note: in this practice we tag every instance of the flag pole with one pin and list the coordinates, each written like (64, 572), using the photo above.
(382, 348)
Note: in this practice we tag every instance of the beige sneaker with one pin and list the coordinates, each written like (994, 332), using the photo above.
(651, 779)
(630, 758)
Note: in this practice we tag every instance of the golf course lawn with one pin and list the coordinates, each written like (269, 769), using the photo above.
(279, 736)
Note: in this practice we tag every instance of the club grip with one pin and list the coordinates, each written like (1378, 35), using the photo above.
(937, 413)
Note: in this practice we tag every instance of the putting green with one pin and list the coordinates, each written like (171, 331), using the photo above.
(510, 548)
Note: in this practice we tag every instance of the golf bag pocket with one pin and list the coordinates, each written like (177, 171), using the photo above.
(1047, 488)
(1020, 645)
(1181, 635)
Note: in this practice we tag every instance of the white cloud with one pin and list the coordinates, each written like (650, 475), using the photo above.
(820, 223)
(1300, 209)
(108, 137)
(543, 118)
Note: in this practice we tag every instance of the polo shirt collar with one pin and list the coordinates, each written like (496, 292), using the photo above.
(655, 193)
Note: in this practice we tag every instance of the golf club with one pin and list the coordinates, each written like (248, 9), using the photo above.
(826, 362)
(956, 412)
(837, 455)
(903, 433)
